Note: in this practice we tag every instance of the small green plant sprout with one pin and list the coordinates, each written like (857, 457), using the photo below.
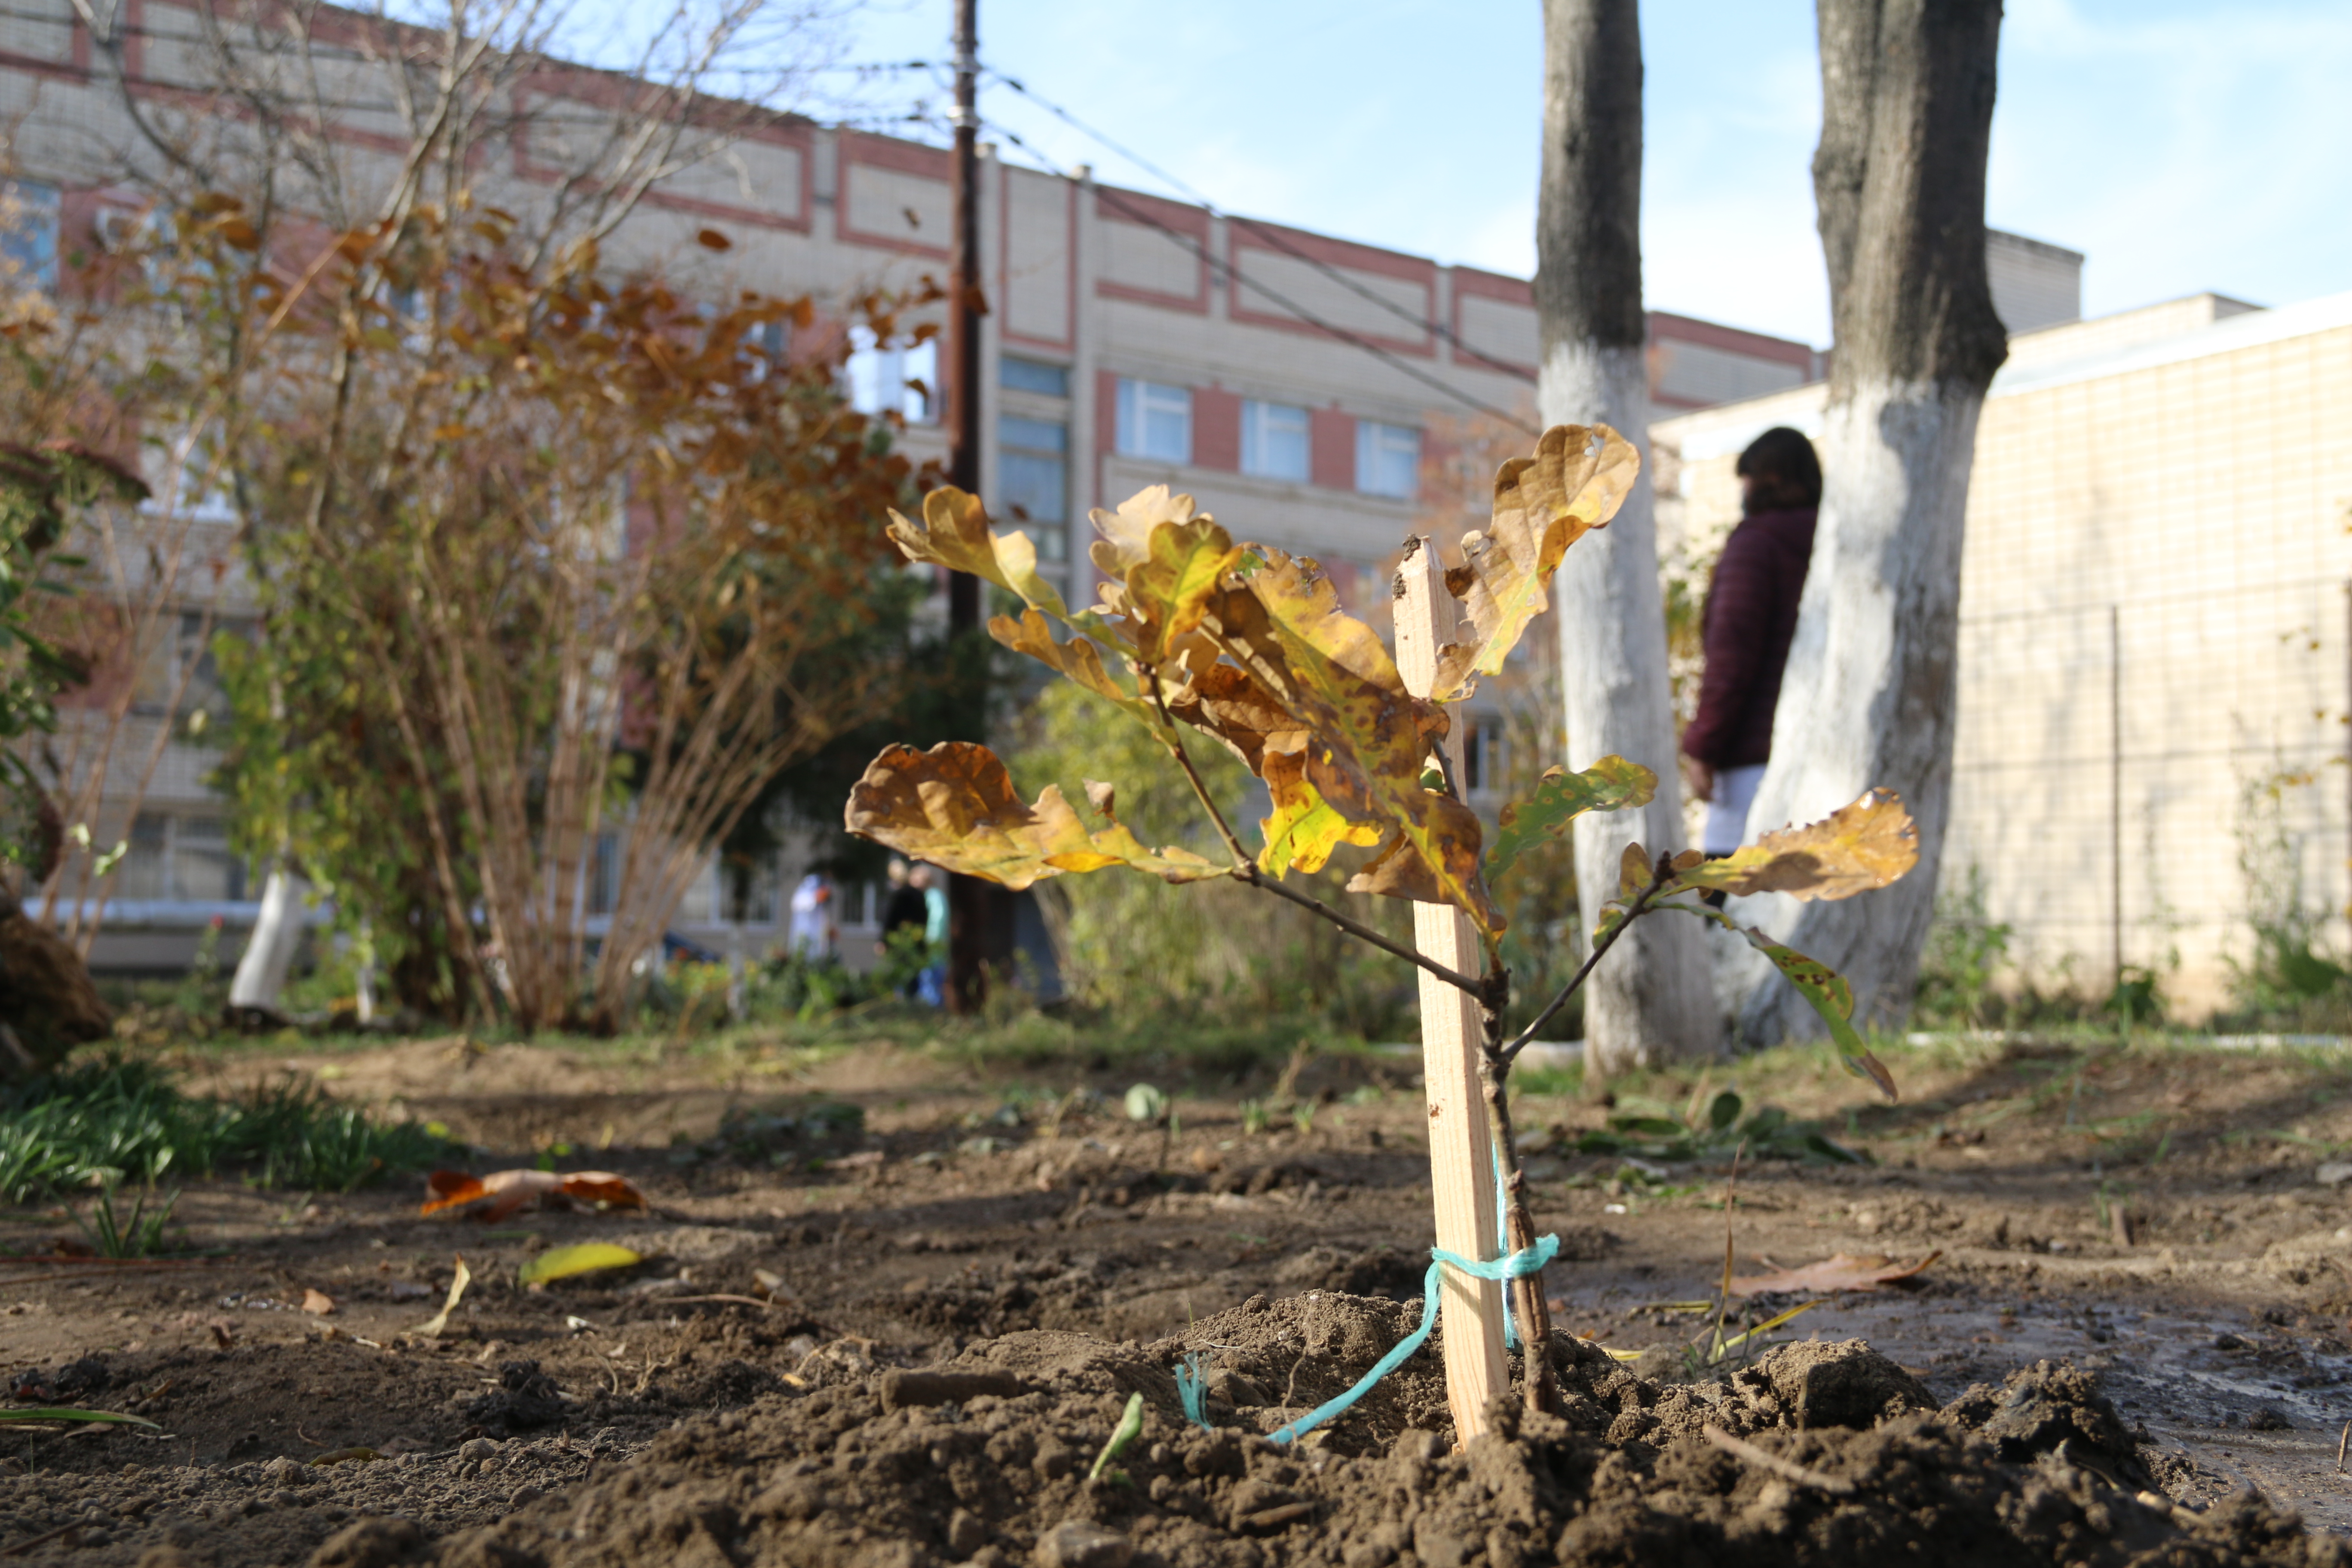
(1302, 1116)
(1254, 1118)
(1200, 637)
(136, 1235)
(1129, 1428)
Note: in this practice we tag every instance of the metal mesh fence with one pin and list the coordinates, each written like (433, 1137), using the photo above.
(2138, 783)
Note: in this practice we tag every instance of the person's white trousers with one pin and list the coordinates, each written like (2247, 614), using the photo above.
(1727, 814)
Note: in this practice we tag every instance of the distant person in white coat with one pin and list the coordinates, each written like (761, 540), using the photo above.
(816, 936)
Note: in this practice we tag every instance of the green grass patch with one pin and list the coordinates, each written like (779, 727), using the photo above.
(111, 1121)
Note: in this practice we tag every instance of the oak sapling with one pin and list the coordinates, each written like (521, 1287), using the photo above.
(1249, 645)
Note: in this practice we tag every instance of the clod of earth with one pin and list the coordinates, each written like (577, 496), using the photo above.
(2040, 1471)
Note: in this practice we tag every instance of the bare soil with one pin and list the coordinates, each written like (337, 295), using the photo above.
(2134, 1346)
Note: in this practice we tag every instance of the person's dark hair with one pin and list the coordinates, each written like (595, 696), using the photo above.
(1787, 472)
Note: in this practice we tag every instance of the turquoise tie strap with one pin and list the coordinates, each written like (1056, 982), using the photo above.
(1192, 1389)
(1517, 1264)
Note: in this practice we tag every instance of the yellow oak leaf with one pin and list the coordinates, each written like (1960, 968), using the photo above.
(1575, 482)
(954, 805)
(1855, 849)
(954, 533)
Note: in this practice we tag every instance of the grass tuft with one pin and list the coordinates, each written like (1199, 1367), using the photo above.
(136, 1235)
(111, 1121)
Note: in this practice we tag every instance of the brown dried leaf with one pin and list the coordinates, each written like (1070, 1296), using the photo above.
(431, 1328)
(501, 1193)
(954, 533)
(1855, 849)
(1367, 737)
(1575, 482)
(1831, 1274)
(1223, 700)
(1077, 660)
(318, 1303)
(954, 805)
(1632, 870)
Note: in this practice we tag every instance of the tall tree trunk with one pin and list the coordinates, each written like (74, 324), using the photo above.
(1650, 1001)
(1868, 699)
(260, 979)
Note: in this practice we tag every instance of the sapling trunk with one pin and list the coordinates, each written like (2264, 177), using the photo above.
(1538, 1387)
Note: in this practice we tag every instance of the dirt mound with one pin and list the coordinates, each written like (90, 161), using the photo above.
(1834, 1455)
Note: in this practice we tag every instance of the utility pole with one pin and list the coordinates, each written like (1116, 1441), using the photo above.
(967, 897)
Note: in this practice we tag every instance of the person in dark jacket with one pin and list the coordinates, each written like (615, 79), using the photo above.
(1749, 618)
(904, 907)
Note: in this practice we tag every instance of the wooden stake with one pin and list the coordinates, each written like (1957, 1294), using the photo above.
(1461, 1156)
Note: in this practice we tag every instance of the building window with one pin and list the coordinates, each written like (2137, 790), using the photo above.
(1033, 375)
(1155, 421)
(187, 859)
(28, 235)
(202, 869)
(1482, 757)
(603, 871)
(1034, 456)
(1388, 460)
(185, 668)
(144, 871)
(1273, 440)
(902, 380)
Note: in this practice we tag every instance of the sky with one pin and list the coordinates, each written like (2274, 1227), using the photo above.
(2181, 146)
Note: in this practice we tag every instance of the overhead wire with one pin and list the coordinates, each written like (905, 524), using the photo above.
(1271, 236)
(1219, 267)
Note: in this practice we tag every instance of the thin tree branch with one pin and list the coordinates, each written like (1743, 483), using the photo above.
(1356, 929)
(1247, 870)
(1659, 877)
(1173, 739)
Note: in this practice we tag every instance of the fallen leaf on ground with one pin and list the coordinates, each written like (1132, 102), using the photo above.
(318, 1303)
(862, 1160)
(501, 1193)
(346, 1456)
(562, 1262)
(1831, 1274)
(77, 1415)
(431, 1328)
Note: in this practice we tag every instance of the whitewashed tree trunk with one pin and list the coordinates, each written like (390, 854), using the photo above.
(260, 978)
(1650, 1001)
(1868, 696)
